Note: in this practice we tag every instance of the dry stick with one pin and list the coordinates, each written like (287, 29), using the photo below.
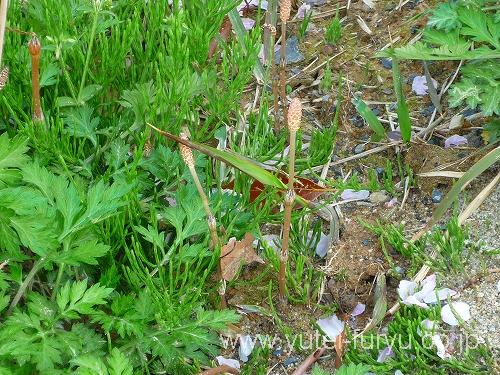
(294, 118)
(476, 202)
(35, 50)
(285, 8)
(187, 156)
(220, 370)
(309, 361)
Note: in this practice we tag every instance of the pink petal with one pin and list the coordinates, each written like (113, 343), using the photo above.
(228, 362)
(441, 350)
(349, 194)
(419, 85)
(442, 294)
(358, 310)
(406, 288)
(384, 354)
(248, 23)
(455, 140)
(412, 300)
(246, 347)
(331, 326)
(301, 12)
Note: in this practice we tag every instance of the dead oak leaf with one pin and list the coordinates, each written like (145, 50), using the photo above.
(235, 253)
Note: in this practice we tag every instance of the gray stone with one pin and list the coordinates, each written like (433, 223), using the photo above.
(316, 2)
(378, 197)
(292, 52)
(359, 148)
(437, 195)
(291, 361)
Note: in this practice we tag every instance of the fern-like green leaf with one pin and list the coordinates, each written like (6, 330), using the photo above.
(445, 17)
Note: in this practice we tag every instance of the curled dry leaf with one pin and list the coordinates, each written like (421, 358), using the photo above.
(235, 253)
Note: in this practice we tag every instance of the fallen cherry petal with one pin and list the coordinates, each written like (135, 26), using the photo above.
(460, 308)
(384, 354)
(349, 194)
(455, 140)
(303, 9)
(391, 203)
(228, 362)
(248, 23)
(441, 350)
(442, 294)
(246, 347)
(331, 326)
(419, 85)
(359, 309)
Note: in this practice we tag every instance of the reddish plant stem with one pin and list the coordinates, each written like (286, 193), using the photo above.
(35, 52)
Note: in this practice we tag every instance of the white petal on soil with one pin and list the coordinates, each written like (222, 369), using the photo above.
(398, 372)
(442, 294)
(412, 300)
(419, 85)
(331, 326)
(359, 309)
(498, 286)
(228, 362)
(369, 3)
(441, 350)
(272, 240)
(406, 288)
(455, 140)
(384, 354)
(322, 246)
(349, 194)
(246, 347)
(462, 310)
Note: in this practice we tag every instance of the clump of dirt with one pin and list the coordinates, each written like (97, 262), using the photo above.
(354, 263)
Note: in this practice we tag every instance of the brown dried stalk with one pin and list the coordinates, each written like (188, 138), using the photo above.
(294, 118)
(187, 156)
(285, 8)
(272, 31)
(35, 50)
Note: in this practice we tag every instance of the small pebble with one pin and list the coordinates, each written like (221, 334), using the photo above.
(470, 112)
(366, 242)
(427, 111)
(474, 139)
(380, 172)
(359, 148)
(376, 111)
(386, 63)
(437, 195)
(292, 52)
(387, 91)
(379, 197)
(278, 352)
(357, 121)
(291, 360)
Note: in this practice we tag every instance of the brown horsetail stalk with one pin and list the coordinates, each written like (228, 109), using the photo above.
(35, 50)
(294, 118)
(285, 8)
(272, 31)
(187, 156)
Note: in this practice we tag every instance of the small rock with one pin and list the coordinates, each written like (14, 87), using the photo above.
(474, 139)
(291, 360)
(386, 63)
(366, 242)
(394, 135)
(378, 197)
(399, 270)
(292, 52)
(456, 122)
(427, 111)
(359, 148)
(278, 352)
(470, 112)
(393, 106)
(380, 172)
(357, 121)
(365, 137)
(436, 195)
(387, 91)
(414, 29)
(390, 7)
(376, 111)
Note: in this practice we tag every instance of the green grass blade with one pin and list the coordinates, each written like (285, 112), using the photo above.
(244, 164)
(402, 110)
(370, 118)
(484, 163)
(240, 31)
